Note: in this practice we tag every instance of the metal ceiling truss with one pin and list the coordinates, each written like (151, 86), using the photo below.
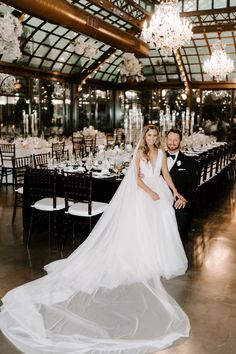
(126, 16)
(225, 16)
(130, 8)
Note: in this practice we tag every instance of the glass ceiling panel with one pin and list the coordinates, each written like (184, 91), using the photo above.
(64, 56)
(203, 50)
(196, 77)
(161, 78)
(51, 39)
(220, 3)
(204, 4)
(226, 34)
(48, 27)
(72, 59)
(195, 69)
(145, 61)
(53, 54)
(173, 77)
(231, 76)
(39, 36)
(229, 40)
(62, 43)
(192, 60)
(190, 51)
(67, 69)
(47, 64)
(189, 5)
(60, 31)
(34, 21)
(41, 51)
(35, 62)
(70, 35)
(199, 42)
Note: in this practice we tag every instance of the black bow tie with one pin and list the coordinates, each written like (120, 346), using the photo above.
(170, 155)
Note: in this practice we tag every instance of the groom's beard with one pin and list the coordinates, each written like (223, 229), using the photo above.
(173, 148)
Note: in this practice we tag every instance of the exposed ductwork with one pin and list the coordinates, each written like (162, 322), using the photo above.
(63, 13)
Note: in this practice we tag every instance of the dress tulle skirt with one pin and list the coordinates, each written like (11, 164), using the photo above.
(107, 297)
(133, 318)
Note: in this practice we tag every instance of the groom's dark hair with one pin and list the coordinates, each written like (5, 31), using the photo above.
(176, 131)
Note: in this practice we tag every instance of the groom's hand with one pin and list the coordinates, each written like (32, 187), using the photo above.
(180, 203)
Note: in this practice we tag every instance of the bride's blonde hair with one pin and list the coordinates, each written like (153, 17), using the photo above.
(143, 147)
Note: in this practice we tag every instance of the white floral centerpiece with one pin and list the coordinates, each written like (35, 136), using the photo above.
(90, 131)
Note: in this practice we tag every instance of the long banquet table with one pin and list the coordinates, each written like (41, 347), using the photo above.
(103, 189)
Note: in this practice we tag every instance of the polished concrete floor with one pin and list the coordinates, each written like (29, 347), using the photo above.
(207, 292)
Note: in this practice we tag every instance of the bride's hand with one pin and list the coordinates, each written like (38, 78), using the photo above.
(177, 195)
(154, 195)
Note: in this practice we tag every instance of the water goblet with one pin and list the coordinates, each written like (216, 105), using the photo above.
(118, 167)
(89, 164)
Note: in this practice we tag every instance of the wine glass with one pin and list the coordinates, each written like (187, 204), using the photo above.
(100, 164)
(89, 164)
(118, 166)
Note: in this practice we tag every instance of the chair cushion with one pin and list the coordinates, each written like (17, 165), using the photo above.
(46, 204)
(7, 164)
(81, 209)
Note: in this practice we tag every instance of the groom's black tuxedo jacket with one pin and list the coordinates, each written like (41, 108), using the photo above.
(184, 176)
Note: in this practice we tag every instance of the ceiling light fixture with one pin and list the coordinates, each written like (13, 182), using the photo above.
(166, 30)
(219, 65)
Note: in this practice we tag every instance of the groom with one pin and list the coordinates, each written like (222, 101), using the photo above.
(183, 172)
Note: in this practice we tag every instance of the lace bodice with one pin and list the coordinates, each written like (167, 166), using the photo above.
(147, 169)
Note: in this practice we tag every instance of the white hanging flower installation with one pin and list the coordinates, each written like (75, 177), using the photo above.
(7, 83)
(166, 30)
(10, 30)
(130, 67)
(219, 65)
(87, 49)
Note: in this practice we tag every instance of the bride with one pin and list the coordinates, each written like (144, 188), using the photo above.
(107, 296)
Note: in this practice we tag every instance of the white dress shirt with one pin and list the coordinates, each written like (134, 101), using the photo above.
(171, 161)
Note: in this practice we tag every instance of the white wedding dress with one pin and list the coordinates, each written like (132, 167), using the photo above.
(107, 297)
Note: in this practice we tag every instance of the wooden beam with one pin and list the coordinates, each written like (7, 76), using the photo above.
(221, 27)
(20, 70)
(209, 12)
(213, 85)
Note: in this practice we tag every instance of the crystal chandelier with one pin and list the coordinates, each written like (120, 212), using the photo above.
(10, 30)
(219, 65)
(7, 83)
(166, 30)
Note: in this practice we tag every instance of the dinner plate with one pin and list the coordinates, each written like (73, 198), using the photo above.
(103, 176)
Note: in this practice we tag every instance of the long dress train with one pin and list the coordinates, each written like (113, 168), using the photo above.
(107, 296)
